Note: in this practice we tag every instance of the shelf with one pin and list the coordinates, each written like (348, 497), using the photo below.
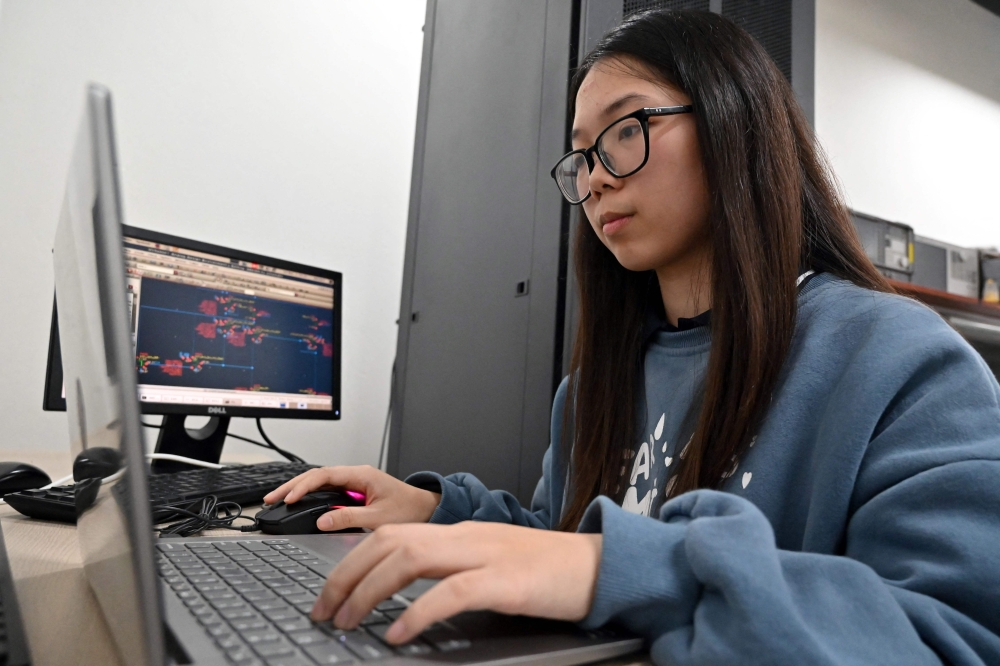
(942, 299)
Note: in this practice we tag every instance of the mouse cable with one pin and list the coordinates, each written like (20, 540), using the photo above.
(288, 455)
(202, 514)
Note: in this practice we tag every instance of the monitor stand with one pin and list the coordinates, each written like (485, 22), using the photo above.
(203, 443)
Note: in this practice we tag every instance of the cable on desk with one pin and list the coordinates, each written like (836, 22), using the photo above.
(269, 445)
(203, 514)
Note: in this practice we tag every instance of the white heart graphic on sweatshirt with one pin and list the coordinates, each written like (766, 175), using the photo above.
(746, 478)
(667, 461)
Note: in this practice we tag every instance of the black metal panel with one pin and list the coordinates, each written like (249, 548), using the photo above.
(770, 22)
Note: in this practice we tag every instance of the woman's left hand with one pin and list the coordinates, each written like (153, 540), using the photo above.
(484, 566)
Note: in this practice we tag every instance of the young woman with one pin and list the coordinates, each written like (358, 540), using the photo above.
(761, 454)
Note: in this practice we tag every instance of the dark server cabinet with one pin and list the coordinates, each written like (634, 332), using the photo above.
(477, 328)
(487, 305)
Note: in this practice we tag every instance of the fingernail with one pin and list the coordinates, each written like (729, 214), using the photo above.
(395, 633)
(325, 523)
(341, 619)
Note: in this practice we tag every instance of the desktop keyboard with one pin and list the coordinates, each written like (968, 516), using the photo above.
(254, 597)
(13, 646)
(243, 484)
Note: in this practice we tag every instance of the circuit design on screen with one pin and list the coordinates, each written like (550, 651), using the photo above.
(190, 336)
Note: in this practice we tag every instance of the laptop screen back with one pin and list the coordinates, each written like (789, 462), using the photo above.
(113, 518)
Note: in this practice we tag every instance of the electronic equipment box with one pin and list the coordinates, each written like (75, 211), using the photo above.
(946, 267)
(989, 274)
(888, 244)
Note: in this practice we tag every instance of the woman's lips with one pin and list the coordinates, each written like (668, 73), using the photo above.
(614, 226)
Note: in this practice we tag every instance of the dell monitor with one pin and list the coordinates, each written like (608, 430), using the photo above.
(221, 333)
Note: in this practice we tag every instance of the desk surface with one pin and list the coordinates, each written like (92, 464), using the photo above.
(61, 617)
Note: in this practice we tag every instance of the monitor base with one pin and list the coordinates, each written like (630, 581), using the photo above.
(203, 443)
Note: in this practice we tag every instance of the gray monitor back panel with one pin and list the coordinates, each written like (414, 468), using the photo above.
(477, 329)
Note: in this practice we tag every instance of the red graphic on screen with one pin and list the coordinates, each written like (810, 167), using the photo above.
(211, 308)
(195, 362)
(206, 329)
(327, 349)
(236, 338)
(173, 367)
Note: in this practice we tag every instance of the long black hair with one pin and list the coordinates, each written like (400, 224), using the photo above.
(774, 209)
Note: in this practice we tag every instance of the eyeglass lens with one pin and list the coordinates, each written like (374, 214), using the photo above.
(621, 148)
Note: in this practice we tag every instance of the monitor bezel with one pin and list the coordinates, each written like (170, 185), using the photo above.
(54, 401)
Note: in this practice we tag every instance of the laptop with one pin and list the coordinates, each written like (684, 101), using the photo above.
(241, 600)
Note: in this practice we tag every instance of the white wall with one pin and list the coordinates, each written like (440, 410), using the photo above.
(283, 128)
(908, 109)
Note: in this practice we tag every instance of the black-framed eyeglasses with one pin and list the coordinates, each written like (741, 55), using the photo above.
(623, 148)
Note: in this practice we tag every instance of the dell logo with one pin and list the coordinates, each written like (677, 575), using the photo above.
(216, 410)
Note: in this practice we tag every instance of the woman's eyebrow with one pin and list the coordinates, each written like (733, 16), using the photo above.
(613, 107)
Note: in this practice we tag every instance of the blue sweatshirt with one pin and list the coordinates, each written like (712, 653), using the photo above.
(863, 526)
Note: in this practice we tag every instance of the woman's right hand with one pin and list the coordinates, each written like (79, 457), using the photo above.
(387, 499)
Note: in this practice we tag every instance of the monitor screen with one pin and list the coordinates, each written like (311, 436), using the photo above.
(218, 331)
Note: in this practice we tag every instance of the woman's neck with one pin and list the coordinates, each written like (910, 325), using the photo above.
(686, 288)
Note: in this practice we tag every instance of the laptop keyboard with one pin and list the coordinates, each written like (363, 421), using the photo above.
(254, 598)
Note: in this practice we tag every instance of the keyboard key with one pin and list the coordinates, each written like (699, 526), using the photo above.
(282, 614)
(364, 646)
(394, 614)
(413, 649)
(310, 637)
(272, 649)
(259, 636)
(228, 642)
(219, 630)
(274, 542)
(259, 595)
(249, 624)
(390, 605)
(219, 595)
(329, 654)
(289, 590)
(233, 614)
(242, 656)
(289, 660)
(373, 617)
(271, 574)
(269, 604)
(303, 598)
(297, 624)
(211, 587)
(231, 603)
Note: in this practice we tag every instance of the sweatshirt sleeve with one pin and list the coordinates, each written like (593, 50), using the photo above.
(917, 581)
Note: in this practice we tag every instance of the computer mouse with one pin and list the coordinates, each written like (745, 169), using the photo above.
(15, 476)
(300, 517)
(98, 462)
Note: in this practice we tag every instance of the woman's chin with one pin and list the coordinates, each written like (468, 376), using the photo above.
(632, 260)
